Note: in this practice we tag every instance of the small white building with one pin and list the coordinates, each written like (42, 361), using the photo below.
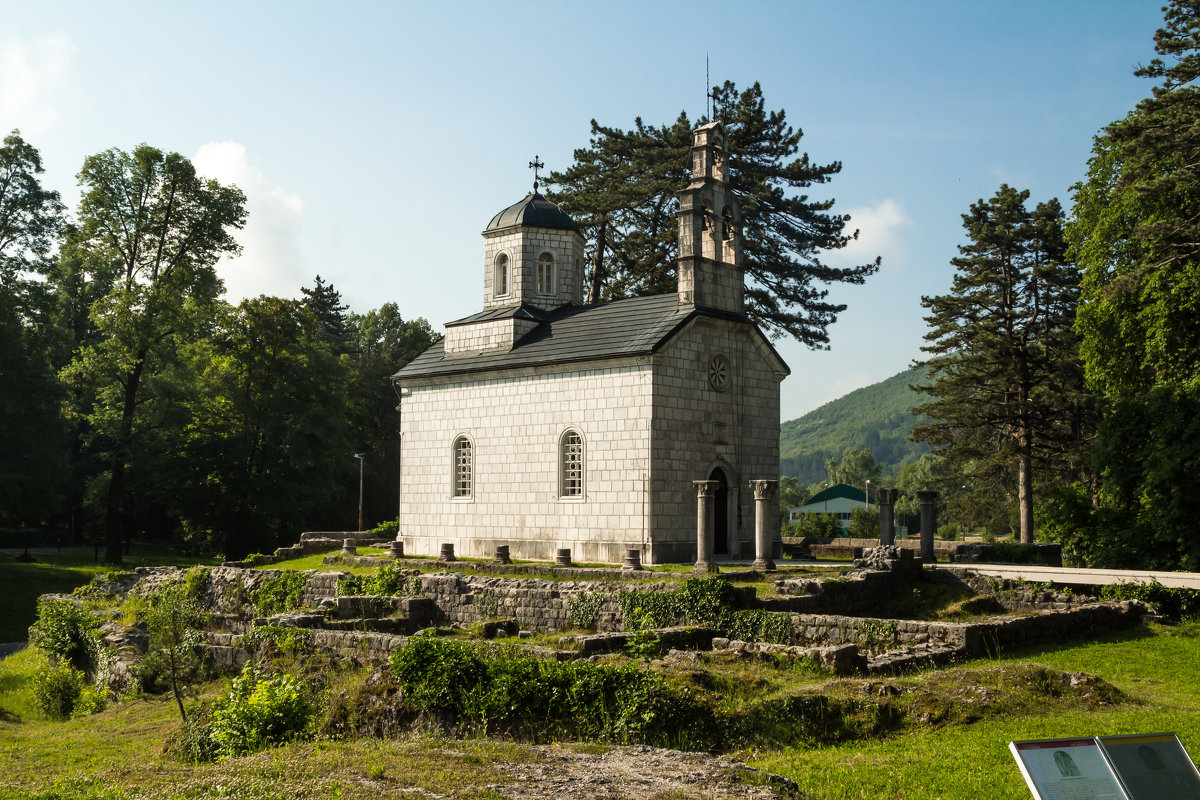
(840, 500)
(543, 423)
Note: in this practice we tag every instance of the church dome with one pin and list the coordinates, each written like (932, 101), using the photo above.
(534, 211)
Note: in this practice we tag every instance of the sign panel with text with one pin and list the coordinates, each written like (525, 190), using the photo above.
(1067, 769)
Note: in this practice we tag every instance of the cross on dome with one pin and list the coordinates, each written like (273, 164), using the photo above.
(535, 165)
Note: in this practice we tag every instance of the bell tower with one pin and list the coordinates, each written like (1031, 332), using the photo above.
(710, 228)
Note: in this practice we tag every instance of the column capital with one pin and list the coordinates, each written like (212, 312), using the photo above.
(887, 495)
(705, 488)
(927, 496)
(764, 489)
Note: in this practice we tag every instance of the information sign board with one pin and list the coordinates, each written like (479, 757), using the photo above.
(1067, 769)
(1152, 766)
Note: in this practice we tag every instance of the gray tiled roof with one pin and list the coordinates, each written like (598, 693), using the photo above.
(622, 328)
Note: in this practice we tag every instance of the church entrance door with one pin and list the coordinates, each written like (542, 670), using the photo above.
(721, 512)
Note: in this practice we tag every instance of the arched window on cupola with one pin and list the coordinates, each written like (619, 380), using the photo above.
(727, 224)
(500, 279)
(545, 274)
(706, 216)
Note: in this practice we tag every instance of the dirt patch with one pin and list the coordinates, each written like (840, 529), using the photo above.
(637, 772)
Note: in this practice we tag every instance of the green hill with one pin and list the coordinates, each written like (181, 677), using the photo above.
(876, 417)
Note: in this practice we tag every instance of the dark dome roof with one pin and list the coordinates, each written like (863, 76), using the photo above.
(534, 211)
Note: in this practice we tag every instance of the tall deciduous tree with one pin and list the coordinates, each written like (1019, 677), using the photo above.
(383, 342)
(267, 439)
(622, 191)
(1004, 356)
(1136, 236)
(30, 215)
(32, 459)
(159, 229)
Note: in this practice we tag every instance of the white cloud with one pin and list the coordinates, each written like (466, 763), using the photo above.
(30, 72)
(270, 262)
(879, 234)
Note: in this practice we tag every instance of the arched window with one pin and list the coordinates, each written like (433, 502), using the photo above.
(571, 464)
(545, 274)
(727, 223)
(464, 468)
(500, 282)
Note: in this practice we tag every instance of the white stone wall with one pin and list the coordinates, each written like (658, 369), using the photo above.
(523, 246)
(697, 428)
(489, 335)
(515, 420)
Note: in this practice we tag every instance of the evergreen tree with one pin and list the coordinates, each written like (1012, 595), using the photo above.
(325, 304)
(622, 191)
(1004, 357)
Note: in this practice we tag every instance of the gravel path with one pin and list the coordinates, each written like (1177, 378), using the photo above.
(637, 773)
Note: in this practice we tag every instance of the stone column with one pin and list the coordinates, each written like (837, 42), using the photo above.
(764, 493)
(633, 559)
(705, 526)
(928, 525)
(887, 515)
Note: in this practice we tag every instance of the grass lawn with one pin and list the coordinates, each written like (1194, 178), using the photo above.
(117, 754)
(1158, 668)
(54, 571)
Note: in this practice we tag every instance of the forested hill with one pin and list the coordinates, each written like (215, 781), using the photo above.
(876, 417)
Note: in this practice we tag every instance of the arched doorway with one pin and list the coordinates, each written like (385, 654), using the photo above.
(720, 512)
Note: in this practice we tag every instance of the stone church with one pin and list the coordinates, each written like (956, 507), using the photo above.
(543, 423)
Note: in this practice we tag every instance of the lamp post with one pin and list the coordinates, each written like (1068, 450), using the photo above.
(359, 456)
(868, 494)
(826, 494)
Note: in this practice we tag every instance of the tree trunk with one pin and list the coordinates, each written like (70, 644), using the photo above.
(1025, 491)
(597, 282)
(114, 527)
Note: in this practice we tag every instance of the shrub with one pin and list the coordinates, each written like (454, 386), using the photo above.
(385, 530)
(195, 582)
(290, 640)
(56, 690)
(1171, 601)
(91, 700)
(279, 594)
(391, 579)
(584, 608)
(470, 690)
(66, 632)
(260, 710)
(193, 742)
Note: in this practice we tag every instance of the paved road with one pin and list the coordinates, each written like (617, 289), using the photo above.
(8, 648)
(1096, 577)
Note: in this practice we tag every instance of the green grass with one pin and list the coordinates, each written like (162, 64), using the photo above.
(1157, 668)
(21, 584)
(118, 754)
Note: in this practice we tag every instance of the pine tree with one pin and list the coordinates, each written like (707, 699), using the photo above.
(1004, 357)
(622, 190)
(325, 303)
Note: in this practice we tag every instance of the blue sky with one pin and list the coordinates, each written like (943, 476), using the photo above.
(375, 140)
